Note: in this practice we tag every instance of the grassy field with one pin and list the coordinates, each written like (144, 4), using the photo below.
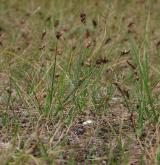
(79, 82)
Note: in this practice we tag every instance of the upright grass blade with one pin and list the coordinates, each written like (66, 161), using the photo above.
(51, 90)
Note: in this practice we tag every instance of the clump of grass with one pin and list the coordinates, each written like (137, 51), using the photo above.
(64, 63)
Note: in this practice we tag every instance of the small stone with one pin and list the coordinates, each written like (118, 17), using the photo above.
(87, 122)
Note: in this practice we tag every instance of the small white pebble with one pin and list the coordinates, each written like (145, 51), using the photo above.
(87, 122)
(115, 98)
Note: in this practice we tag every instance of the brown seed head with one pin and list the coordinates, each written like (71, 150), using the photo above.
(58, 35)
(56, 23)
(94, 22)
(83, 18)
